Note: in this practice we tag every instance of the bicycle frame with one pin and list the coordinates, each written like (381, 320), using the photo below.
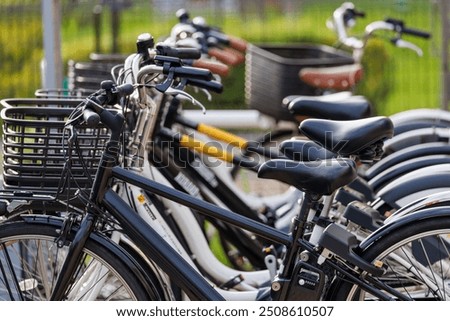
(156, 249)
(191, 232)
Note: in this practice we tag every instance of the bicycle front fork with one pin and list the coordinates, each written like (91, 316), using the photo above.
(73, 257)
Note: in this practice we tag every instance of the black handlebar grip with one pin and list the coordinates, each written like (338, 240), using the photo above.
(182, 53)
(399, 26)
(211, 85)
(358, 13)
(191, 72)
(125, 89)
(417, 33)
(91, 118)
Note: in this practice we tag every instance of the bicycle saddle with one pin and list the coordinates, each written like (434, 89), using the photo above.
(330, 97)
(363, 138)
(348, 109)
(338, 78)
(304, 150)
(320, 177)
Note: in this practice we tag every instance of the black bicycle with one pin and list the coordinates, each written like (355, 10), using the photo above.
(75, 257)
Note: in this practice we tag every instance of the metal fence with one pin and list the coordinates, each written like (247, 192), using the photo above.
(89, 26)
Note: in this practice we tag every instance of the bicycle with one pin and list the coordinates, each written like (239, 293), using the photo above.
(180, 272)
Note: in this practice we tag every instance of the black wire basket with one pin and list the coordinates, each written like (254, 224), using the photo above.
(272, 73)
(62, 93)
(36, 153)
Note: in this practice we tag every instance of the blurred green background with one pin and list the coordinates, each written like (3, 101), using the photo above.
(395, 79)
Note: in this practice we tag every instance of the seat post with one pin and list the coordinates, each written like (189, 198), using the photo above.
(297, 231)
(324, 213)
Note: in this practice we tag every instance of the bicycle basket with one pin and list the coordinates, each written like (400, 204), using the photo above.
(272, 73)
(35, 147)
(62, 93)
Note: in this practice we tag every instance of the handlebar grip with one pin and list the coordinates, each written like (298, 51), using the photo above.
(417, 33)
(125, 89)
(240, 57)
(215, 67)
(191, 72)
(238, 43)
(91, 118)
(182, 53)
(358, 13)
(211, 85)
(223, 56)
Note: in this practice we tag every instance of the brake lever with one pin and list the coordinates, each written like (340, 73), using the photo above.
(73, 135)
(174, 92)
(183, 84)
(207, 94)
(408, 45)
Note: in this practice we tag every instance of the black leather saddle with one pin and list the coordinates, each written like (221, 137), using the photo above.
(351, 108)
(304, 150)
(363, 138)
(320, 177)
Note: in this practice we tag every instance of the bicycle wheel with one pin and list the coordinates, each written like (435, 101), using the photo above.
(416, 259)
(30, 260)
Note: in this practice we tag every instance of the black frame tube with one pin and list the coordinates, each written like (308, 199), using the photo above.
(208, 209)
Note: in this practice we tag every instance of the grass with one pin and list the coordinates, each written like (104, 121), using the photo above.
(414, 82)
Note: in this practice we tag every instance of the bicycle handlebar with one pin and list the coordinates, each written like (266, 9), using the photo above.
(417, 33)
(346, 12)
(190, 72)
(234, 42)
(215, 67)
(399, 26)
(90, 117)
(211, 85)
(357, 13)
(108, 95)
(237, 43)
(182, 53)
(199, 24)
(223, 56)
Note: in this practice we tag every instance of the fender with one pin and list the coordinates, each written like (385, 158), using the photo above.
(434, 200)
(407, 220)
(418, 183)
(412, 152)
(130, 256)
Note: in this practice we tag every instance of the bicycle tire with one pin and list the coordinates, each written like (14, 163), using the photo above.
(30, 259)
(416, 259)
